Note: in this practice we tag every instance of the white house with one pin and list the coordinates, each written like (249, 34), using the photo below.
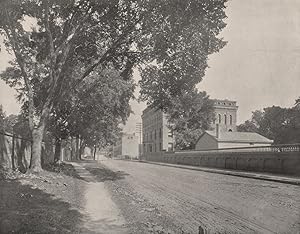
(218, 139)
(127, 146)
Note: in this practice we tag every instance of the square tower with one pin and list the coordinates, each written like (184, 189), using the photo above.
(225, 115)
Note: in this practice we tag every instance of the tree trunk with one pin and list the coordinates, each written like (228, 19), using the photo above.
(57, 149)
(77, 148)
(21, 157)
(81, 149)
(13, 153)
(95, 149)
(37, 138)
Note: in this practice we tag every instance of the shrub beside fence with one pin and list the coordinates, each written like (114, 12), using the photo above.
(283, 159)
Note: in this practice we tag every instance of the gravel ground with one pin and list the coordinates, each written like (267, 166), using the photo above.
(141, 216)
(115, 196)
(156, 199)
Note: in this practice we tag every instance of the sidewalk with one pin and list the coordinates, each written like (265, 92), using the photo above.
(254, 175)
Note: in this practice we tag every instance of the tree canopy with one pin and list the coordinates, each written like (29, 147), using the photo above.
(189, 115)
(70, 41)
(279, 124)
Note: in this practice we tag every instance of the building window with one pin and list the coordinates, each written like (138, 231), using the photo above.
(150, 135)
(155, 134)
(170, 146)
(154, 147)
(160, 133)
(225, 119)
(170, 133)
(220, 119)
(230, 119)
(150, 148)
(160, 148)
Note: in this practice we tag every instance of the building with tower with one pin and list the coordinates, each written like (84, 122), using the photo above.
(223, 132)
(225, 115)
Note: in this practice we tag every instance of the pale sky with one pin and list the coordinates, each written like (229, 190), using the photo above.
(259, 67)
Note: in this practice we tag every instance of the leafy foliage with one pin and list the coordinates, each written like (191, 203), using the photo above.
(185, 33)
(189, 116)
(2, 117)
(72, 42)
(14, 124)
(102, 107)
(277, 123)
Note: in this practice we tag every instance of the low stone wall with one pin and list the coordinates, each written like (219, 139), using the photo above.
(274, 162)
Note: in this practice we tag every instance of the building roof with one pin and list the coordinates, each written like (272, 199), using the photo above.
(224, 103)
(242, 137)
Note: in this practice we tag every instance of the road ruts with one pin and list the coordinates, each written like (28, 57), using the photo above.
(218, 202)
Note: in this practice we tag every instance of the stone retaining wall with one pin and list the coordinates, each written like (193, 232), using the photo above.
(274, 162)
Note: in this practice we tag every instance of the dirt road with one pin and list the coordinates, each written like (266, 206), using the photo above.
(159, 199)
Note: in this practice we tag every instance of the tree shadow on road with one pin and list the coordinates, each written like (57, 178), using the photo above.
(102, 173)
(99, 171)
(24, 209)
(65, 168)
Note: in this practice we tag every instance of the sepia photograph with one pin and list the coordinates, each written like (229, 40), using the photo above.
(149, 116)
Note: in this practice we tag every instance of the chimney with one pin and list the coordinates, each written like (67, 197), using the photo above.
(217, 130)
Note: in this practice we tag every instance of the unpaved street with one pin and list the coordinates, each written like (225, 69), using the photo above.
(164, 199)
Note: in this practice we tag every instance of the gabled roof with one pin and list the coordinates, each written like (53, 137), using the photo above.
(242, 137)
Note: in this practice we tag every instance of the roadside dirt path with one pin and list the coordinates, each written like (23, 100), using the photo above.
(100, 212)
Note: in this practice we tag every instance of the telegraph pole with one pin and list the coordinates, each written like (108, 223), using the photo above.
(138, 129)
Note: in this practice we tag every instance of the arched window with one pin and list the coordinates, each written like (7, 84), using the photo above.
(220, 119)
(225, 119)
(230, 119)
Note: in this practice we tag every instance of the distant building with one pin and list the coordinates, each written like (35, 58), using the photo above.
(127, 146)
(225, 115)
(156, 134)
(224, 133)
(220, 139)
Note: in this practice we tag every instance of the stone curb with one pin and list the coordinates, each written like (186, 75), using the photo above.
(258, 176)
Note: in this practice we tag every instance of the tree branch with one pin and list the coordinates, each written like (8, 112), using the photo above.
(114, 45)
(13, 38)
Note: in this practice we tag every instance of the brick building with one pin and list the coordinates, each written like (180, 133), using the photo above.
(226, 115)
(156, 134)
(223, 133)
